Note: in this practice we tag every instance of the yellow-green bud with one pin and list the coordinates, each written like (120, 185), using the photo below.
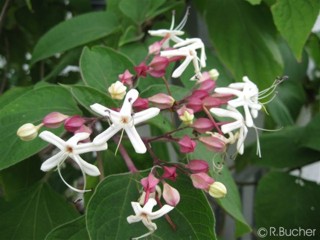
(28, 131)
(217, 190)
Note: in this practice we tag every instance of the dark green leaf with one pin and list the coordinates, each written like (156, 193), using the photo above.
(33, 214)
(288, 202)
(254, 2)
(74, 230)
(12, 95)
(107, 220)
(131, 34)
(100, 66)
(75, 32)
(280, 113)
(295, 19)
(243, 36)
(31, 107)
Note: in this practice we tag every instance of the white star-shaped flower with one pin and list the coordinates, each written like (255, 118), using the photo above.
(71, 149)
(125, 119)
(187, 48)
(247, 97)
(146, 215)
(239, 125)
(173, 32)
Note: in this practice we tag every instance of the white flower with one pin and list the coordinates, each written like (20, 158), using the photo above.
(125, 119)
(117, 90)
(247, 97)
(71, 149)
(239, 125)
(146, 215)
(172, 33)
(187, 48)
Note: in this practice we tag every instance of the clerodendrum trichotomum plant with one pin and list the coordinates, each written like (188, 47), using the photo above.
(206, 120)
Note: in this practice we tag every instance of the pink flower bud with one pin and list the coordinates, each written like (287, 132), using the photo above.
(126, 78)
(162, 100)
(141, 70)
(198, 166)
(195, 104)
(187, 145)
(170, 195)
(201, 180)
(210, 102)
(158, 66)
(54, 119)
(186, 115)
(203, 125)
(141, 104)
(199, 93)
(149, 183)
(207, 85)
(73, 123)
(155, 48)
(169, 173)
(213, 143)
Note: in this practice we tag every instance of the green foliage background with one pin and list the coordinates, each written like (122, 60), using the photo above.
(263, 39)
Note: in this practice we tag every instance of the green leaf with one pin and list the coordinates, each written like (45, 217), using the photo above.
(87, 96)
(107, 220)
(254, 2)
(131, 34)
(33, 214)
(231, 203)
(252, 27)
(100, 66)
(31, 107)
(295, 19)
(311, 138)
(75, 32)
(17, 178)
(288, 202)
(280, 113)
(73, 230)
(282, 149)
(133, 10)
(12, 94)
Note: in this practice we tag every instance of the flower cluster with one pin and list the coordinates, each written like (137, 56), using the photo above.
(214, 114)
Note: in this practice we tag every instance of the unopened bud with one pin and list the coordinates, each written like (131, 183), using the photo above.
(162, 100)
(54, 119)
(214, 74)
(187, 145)
(214, 143)
(201, 180)
(28, 131)
(169, 173)
(155, 48)
(203, 125)
(140, 104)
(141, 70)
(117, 90)
(186, 115)
(170, 195)
(149, 183)
(126, 78)
(198, 166)
(217, 190)
(207, 85)
(211, 101)
(195, 104)
(158, 66)
(73, 123)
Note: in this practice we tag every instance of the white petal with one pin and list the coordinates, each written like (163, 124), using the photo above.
(133, 219)
(88, 168)
(227, 113)
(136, 208)
(162, 211)
(106, 135)
(174, 53)
(145, 115)
(53, 139)
(77, 138)
(101, 110)
(237, 102)
(53, 161)
(135, 139)
(229, 127)
(131, 97)
(224, 90)
(249, 121)
(177, 73)
(237, 85)
(89, 147)
(147, 208)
